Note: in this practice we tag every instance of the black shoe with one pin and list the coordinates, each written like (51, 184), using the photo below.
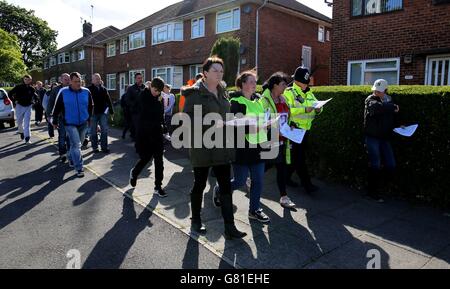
(85, 142)
(80, 174)
(232, 233)
(310, 188)
(259, 216)
(198, 227)
(291, 183)
(133, 180)
(106, 151)
(216, 197)
(27, 140)
(22, 136)
(160, 192)
(63, 158)
(96, 151)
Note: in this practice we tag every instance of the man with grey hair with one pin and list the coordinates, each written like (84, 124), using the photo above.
(63, 144)
(102, 108)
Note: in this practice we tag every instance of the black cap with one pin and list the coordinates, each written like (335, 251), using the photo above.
(302, 75)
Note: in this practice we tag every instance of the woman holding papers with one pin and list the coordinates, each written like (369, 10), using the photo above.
(302, 102)
(379, 122)
(273, 101)
(209, 96)
(248, 158)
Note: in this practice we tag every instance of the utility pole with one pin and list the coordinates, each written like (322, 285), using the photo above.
(92, 47)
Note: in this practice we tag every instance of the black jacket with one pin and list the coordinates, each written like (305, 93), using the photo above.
(52, 99)
(23, 94)
(150, 124)
(40, 96)
(379, 118)
(101, 99)
(131, 97)
(247, 155)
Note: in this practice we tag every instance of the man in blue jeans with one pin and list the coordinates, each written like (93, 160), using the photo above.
(76, 105)
(102, 108)
(379, 122)
(63, 144)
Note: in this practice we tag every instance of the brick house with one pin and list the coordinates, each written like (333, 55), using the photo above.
(84, 55)
(174, 42)
(406, 42)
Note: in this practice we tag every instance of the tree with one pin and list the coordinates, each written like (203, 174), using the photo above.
(227, 48)
(12, 67)
(36, 38)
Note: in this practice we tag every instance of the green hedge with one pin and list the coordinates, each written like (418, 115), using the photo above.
(337, 140)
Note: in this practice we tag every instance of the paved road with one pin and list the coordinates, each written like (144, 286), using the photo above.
(45, 212)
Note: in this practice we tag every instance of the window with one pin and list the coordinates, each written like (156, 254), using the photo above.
(194, 70)
(67, 57)
(52, 61)
(111, 81)
(198, 27)
(60, 58)
(167, 32)
(328, 35)
(74, 56)
(365, 72)
(81, 54)
(438, 70)
(370, 7)
(133, 73)
(228, 20)
(137, 40)
(171, 75)
(321, 33)
(111, 49)
(123, 45)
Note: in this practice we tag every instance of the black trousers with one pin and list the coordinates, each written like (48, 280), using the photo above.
(223, 175)
(298, 160)
(144, 159)
(38, 112)
(128, 124)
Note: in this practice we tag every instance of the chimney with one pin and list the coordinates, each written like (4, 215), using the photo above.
(87, 29)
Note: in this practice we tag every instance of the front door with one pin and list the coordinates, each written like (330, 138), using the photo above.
(123, 83)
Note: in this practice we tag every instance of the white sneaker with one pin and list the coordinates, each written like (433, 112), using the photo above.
(287, 203)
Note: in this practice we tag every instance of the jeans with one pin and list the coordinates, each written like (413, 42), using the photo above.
(377, 149)
(23, 119)
(257, 177)
(63, 143)
(76, 134)
(101, 119)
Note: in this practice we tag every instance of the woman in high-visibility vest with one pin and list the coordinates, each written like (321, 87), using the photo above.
(244, 103)
(273, 100)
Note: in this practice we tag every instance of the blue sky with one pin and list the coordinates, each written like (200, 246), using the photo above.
(65, 15)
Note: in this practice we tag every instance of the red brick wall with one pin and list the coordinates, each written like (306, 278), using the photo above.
(281, 40)
(419, 29)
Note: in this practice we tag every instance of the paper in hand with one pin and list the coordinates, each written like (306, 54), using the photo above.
(321, 104)
(407, 131)
(295, 135)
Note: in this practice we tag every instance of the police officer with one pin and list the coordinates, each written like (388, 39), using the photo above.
(300, 100)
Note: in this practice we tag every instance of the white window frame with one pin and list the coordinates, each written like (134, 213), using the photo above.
(198, 67)
(81, 54)
(131, 74)
(328, 37)
(427, 68)
(109, 78)
(169, 29)
(134, 35)
(232, 20)
(321, 33)
(124, 42)
(53, 61)
(73, 56)
(201, 32)
(364, 69)
(169, 75)
(111, 49)
(60, 58)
